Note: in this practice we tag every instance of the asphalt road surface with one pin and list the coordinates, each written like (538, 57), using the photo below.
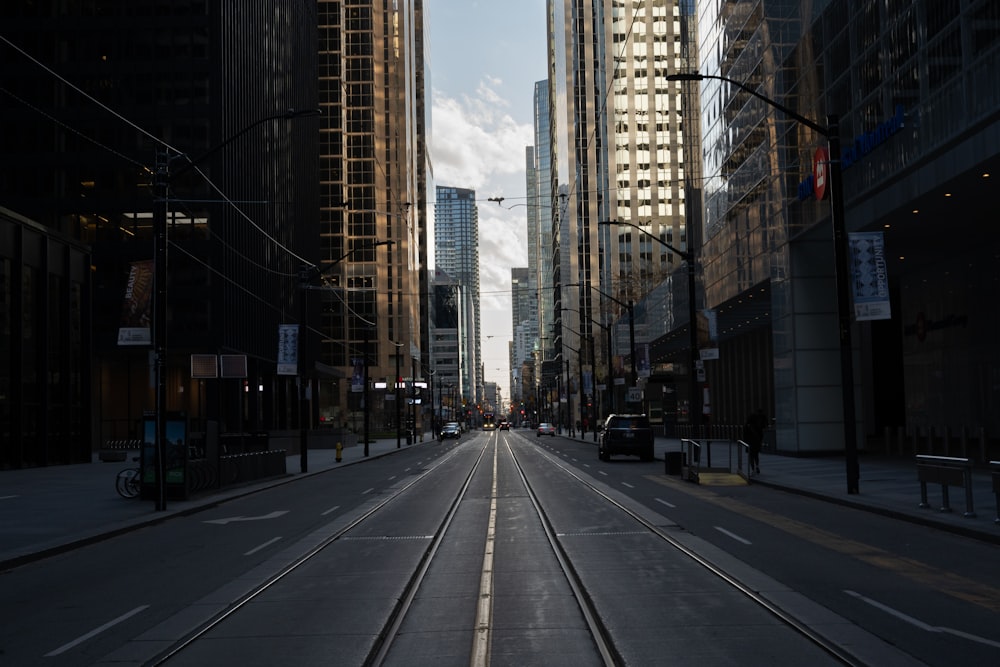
(503, 549)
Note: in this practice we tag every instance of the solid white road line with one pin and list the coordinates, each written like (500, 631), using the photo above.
(484, 610)
(920, 624)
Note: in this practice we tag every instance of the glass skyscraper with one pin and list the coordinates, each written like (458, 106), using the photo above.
(456, 253)
(916, 87)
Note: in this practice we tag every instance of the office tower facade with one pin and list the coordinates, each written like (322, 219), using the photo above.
(373, 170)
(524, 325)
(456, 253)
(449, 329)
(95, 130)
(914, 87)
(617, 157)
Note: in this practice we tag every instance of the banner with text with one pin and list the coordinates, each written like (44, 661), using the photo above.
(869, 276)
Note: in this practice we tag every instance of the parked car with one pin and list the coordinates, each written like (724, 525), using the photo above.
(545, 428)
(451, 430)
(626, 434)
(504, 425)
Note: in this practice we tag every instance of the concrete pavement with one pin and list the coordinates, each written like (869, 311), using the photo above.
(44, 511)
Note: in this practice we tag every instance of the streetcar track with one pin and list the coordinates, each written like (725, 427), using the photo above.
(206, 626)
(391, 628)
(599, 633)
(480, 639)
(816, 638)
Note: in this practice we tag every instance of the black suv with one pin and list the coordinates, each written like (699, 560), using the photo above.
(626, 434)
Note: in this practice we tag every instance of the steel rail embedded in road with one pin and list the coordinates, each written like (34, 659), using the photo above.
(597, 630)
(389, 632)
(199, 632)
(808, 633)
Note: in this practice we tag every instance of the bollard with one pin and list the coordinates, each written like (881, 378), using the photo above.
(340, 449)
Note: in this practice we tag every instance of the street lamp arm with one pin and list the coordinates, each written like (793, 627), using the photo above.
(194, 162)
(590, 319)
(686, 255)
(602, 293)
(695, 76)
(320, 271)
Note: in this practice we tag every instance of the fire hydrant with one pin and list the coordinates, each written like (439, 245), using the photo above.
(340, 449)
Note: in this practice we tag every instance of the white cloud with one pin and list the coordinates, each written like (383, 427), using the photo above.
(475, 141)
(477, 144)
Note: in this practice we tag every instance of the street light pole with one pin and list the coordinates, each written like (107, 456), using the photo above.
(832, 134)
(396, 390)
(687, 256)
(631, 324)
(162, 178)
(306, 275)
(593, 366)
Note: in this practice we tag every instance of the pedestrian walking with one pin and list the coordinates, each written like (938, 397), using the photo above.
(753, 435)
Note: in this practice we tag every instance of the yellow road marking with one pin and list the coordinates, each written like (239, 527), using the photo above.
(954, 585)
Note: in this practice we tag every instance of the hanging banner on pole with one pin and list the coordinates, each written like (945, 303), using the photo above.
(358, 376)
(288, 349)
(869, 276)
(134, 328)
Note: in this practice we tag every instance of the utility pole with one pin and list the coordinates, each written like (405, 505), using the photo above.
(160, 184)
(841, 269)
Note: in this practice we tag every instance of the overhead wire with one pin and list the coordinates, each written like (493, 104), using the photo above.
(141, 130)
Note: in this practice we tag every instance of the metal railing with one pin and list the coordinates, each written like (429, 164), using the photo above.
(946, 471)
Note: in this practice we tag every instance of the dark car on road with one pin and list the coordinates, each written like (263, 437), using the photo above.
(626, 434)
(504, 425)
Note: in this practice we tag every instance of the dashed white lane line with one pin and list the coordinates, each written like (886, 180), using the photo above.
(96, 631)
(664, 502)
(732, 535)
(262, 546)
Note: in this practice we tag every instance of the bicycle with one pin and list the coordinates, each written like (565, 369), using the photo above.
(129, 482)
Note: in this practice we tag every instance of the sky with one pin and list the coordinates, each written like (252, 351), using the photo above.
(485, 57)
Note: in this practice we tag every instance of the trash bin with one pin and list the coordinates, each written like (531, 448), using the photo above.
(673, 463)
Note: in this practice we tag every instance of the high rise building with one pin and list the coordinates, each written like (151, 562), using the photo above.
(449, 329)
(372, 170)
(541, 236)
(196, 94)
(915, 89)
(456, 253)
(200, 92)
(524, 324)
(616, 158)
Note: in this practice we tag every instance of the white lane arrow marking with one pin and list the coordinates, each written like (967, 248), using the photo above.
(231, 519)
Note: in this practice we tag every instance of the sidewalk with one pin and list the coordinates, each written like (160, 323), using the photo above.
(888, 486)
(44, 511)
